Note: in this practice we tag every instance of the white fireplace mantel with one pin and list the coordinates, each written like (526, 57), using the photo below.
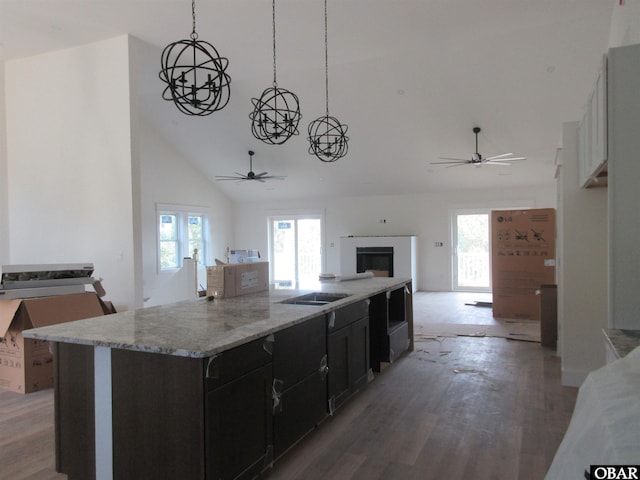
(405, 257)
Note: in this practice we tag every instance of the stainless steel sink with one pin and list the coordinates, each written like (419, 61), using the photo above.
(315, 298)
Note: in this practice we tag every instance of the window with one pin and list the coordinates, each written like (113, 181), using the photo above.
(295, 250)
(169, 251)
(181, 230)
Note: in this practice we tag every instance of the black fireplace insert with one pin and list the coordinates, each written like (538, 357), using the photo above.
(379, 260)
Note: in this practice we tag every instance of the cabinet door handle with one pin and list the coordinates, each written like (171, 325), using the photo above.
(332, 405)
(276, 395)
(332, 319)
(406, 289)
(267, 345)
(212, 368)
(324, 367)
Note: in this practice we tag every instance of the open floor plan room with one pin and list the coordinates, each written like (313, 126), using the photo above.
(456, 407)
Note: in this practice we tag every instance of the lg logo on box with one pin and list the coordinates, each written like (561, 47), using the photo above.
(614, 472)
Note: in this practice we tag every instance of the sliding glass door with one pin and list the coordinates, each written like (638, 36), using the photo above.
(295, 244)
(471, 252)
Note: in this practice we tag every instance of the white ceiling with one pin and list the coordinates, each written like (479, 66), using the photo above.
(410, 78)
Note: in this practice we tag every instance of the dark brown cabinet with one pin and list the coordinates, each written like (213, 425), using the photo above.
(347, 351)
(74, 411)
(173, 417)
(239, 422)
(299, 381)
(390, 329)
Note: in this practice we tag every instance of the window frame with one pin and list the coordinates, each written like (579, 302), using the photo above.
(182, 214)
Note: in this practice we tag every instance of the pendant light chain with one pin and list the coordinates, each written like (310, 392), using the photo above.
(326, 59)
(194, 35)
(273, 10)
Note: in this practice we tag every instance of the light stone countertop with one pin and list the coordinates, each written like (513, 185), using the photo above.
(201, 328)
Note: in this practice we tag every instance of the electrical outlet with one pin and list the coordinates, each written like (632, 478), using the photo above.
(438, 244)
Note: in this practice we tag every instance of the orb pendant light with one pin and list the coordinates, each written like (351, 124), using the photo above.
(327, 136)
(276, 114)
(195, 74)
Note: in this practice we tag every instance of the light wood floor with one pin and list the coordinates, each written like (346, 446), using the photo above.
(458, 408)
(27, 437)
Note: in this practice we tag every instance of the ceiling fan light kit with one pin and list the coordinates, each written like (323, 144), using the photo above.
(276, 114)
(195, 75)
(328, 139)
(477, 159)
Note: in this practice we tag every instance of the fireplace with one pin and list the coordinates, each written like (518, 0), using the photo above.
(395, 254)
(378, 260)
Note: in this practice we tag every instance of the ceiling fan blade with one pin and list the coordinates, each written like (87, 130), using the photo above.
(497, 163)
(228, 177)
(261, 174)
(458, 162)
(499, 156)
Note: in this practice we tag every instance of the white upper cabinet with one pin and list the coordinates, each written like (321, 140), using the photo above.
(592, 135)
(623, 194)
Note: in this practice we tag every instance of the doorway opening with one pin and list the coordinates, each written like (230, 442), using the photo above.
(471, 251)
(295, 250)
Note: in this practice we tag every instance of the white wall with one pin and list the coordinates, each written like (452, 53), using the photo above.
(168, 178)
(426, 216)
(625, 24)
(70, 162)
(583, 288)
(4, 198)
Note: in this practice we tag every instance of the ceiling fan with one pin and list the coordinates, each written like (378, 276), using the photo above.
(261, 177)
(477, 159)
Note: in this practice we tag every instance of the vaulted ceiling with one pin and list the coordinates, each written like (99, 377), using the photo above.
(410, 78)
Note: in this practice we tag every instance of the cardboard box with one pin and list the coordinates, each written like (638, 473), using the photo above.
(26, 364)
(226, 281)
(523, 257)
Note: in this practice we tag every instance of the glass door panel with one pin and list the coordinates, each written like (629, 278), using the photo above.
(296, 251)
(472, 265)
(284, 253)
(309, 251)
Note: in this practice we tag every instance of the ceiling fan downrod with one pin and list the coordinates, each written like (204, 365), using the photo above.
(477, 130)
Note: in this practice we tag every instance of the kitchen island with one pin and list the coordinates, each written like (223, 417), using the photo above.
(217, 389)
